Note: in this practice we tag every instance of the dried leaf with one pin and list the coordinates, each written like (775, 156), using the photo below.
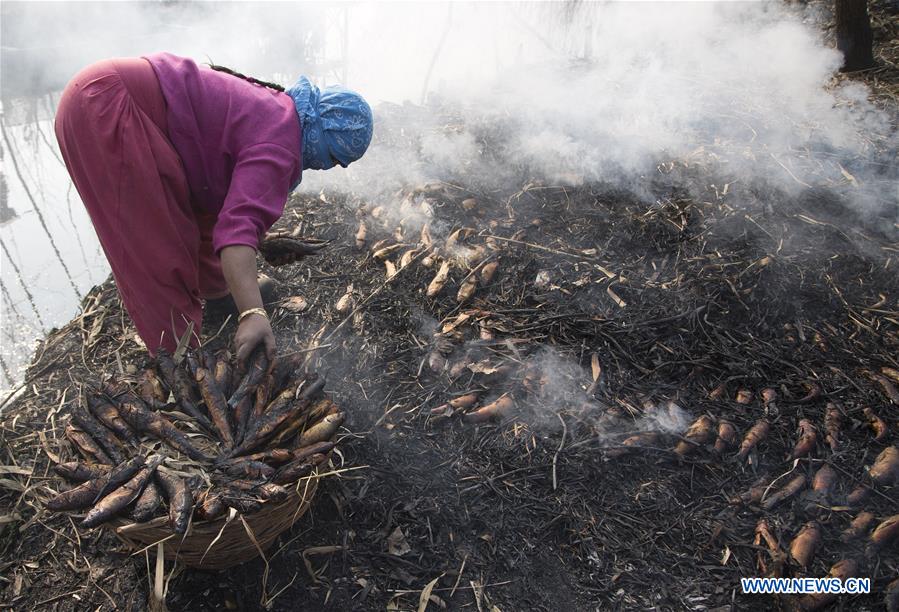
(12, 485)
(426, 594)
(456, 322)
(14, 469)
(848, 176)
(621, 303)
(296, 303)
(396, 543)
(483, 367)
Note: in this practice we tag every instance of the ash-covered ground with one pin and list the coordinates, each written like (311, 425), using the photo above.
(703, 284)
(616, 309)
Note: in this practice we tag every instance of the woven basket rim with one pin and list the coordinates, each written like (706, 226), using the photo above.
(203, 535)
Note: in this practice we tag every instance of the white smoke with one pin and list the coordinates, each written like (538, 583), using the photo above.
(597, 90)
(605, 91)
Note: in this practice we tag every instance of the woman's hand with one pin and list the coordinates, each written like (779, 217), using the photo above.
(239, 267)
(252, 331)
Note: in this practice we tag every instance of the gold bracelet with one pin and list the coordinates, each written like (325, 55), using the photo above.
(250, 311)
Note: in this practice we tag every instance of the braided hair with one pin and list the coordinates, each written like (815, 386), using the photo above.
(250, 79)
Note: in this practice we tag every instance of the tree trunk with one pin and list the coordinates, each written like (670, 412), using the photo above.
(854, 36)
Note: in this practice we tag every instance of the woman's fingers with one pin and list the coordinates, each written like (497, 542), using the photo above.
(243, 351)
(269, 341)
(253, 330)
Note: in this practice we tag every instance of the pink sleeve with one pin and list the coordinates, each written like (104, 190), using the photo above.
(256, 196)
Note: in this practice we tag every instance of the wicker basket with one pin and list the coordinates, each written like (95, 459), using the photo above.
(220, 544)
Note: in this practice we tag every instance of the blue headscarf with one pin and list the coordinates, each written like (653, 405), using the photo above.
(337, 124)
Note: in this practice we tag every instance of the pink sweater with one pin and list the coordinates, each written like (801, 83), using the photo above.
(240, 144)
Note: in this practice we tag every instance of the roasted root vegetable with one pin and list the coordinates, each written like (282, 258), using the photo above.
(179, 497)
(487, 271)
(858, 495)
(858, 528)
(794, 486)
(84, 495)
(885, 470)
(311, 387)
(267, 426)
(146, 505)
(158, 426)
(222, 373)
(119, 498)
(813, 392)
(179, 384)
(77, 471)
(439, 280)
(648, 439)
(278, 249)
(744, 396)
(891, 593)
(361, 235)
(877, 424)
(718, 392)
(150, 388)
(384, 252)
(727, 437)
(250, 469)
(243, 416)
(763, 534)
(833, 422)
(407, 257)
(216, 405)
(808, 436)
(243, 502)
(467, 288)
(754, 494)
(699, 433)
(756, 434)
(292, 434)
(345, 302)
(458, 403)
(823, 482)
(287, 371)
(210, 506)
(256, 368)
(323, 430)
(274, 455)
(89, 449)
(494, 410)
(287, 434)
(883, 535)
(843, 569)
(889, 389)
(822, 486)
(319, 448)
(293, 471)
(109, 416)
(102, 436)
(806, 542)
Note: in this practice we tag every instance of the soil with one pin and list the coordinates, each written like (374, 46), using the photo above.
(678, 285)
